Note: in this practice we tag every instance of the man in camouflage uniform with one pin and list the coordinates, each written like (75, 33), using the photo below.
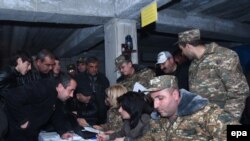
(215, 72)
(187, 116)
(131, 73)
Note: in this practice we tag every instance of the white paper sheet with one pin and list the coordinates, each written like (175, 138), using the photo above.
(139, 87)
(91, 129)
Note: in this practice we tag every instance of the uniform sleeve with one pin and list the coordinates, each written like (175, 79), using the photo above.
(114, 120)
(118, 134)
(216, 121)
(230, 72)
(156, 132)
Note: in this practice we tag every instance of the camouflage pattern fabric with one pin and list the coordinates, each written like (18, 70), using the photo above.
(218, 76)
(162, 82)
(188, 36)
(142, 77)
(120, 60)
(114, 120)
(210, 123)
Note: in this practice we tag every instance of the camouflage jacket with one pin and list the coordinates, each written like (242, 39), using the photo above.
(114, 120)
(218, 76)
(196, 120)
(141, 75)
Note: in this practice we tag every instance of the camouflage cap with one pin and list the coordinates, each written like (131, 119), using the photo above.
(188, 36)
(162, 82)
(120, 60)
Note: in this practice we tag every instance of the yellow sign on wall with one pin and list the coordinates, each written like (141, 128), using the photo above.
(149, 14)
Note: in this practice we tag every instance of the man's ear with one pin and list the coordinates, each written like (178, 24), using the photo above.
(39, 61)
(59, 87)
(171, 59)
(176, 94)
(130, 64)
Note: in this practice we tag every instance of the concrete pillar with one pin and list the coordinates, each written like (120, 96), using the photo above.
(115, 32)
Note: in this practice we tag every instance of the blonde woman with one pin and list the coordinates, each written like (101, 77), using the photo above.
(114, 120)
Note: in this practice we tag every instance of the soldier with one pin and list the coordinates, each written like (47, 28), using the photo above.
(131, 73)
(188, 116)
(215, 72)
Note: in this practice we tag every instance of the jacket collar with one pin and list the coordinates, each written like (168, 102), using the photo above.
(190, 103)
(210, 48)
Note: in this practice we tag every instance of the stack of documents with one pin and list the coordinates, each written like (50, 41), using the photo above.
(53, 136)
(91, 129)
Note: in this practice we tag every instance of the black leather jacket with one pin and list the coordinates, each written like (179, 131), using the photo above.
(32, 76)
(8, 79)
(98, 83)
(88, 111)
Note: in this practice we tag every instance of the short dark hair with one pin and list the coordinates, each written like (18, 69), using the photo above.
(64, 79)
(44, 53)
(20, 54)
(92, 59)
(194, 43)
(135, 104)
(57, 58)
(178, 51)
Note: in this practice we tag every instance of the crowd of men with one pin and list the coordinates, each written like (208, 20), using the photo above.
(200, 91)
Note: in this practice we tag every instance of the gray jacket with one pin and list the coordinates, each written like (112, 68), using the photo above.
(133, 134)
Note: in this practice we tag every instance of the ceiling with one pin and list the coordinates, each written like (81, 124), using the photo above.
(69, 28)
